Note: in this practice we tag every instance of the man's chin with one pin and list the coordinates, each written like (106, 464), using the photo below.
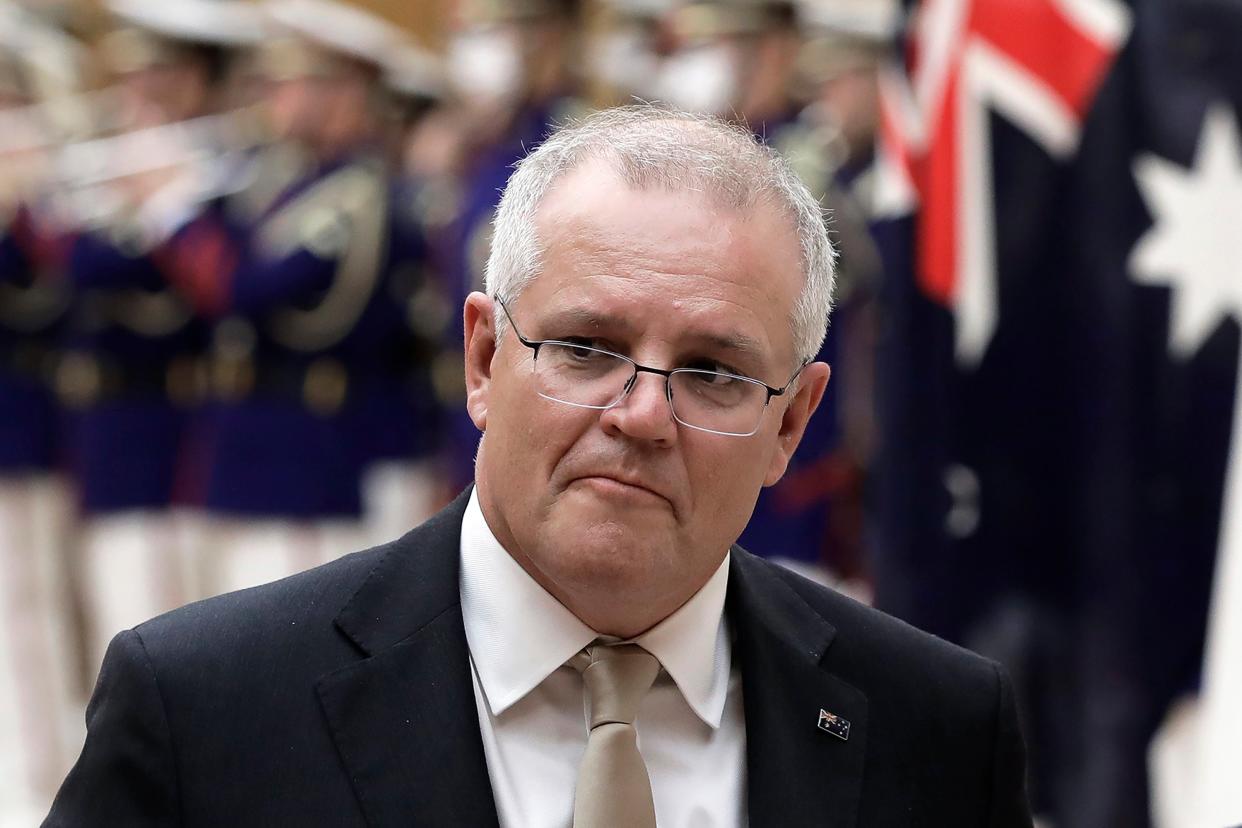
(601, 549)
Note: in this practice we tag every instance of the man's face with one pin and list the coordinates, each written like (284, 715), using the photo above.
(318, 109)
(627, 505)
(852, 100)
(170, 91)
(297, 104)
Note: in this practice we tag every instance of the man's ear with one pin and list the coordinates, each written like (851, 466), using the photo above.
(811, 387)
(480, 348)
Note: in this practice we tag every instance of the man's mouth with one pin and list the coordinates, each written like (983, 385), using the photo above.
(623, 488)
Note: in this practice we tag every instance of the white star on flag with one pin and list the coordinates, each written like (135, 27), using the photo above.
(1195, 247)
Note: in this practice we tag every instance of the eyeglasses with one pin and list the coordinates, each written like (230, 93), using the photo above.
(585, 377)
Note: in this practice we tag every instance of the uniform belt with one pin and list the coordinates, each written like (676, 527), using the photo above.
(30, 361)
(84, 378)
(322, 384)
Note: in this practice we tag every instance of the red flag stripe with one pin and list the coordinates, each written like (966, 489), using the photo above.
(1036, 34)
(938, 181)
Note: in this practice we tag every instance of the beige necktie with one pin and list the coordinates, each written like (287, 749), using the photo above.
(613, 787)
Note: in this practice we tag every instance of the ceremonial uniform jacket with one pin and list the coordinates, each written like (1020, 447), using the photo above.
(126, 372)
(33, 300)
(468, 244)
(307, 345)
(813, 515)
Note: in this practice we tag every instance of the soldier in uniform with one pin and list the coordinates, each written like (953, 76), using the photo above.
(508, 63)
(743, 59)
(395, 421)
(40, 700)
(819, 504)
(625, 54)
(732, 59)
(310, 306)
(128, 372)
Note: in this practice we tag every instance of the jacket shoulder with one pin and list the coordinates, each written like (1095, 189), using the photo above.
(306, 594)
(286, 625)
(883, 654)
(941, 725)
(305, 620)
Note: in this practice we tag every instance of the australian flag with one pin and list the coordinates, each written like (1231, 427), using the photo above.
(1059, 379)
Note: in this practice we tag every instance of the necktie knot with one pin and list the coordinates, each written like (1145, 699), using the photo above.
(617, 677)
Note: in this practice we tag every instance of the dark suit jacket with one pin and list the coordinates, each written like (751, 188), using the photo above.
(342, 696)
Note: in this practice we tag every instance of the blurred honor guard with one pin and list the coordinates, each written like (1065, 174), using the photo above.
(734, 59)
(730, 59)
(625, 53)
(395, 420)
(39, 696)
(509, 65)
(128, 374)
(306, 353)
(845, 45)
(811, 520)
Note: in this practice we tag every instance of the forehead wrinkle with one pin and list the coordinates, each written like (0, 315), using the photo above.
(591, 318)
(565, 219)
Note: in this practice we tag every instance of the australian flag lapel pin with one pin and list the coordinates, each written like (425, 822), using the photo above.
(834, 724)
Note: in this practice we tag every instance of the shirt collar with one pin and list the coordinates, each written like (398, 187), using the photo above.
(694, 648)
(519, 634)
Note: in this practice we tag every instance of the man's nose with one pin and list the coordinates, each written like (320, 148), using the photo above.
(644, 412)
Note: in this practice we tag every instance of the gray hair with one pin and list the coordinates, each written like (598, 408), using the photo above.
(653, 147)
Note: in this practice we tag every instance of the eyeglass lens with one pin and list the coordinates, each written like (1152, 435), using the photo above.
(584, 376)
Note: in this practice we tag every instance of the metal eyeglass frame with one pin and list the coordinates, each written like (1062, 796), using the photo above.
(536, 344)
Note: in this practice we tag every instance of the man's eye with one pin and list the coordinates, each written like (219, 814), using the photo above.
(714, 366)
(712, 380)
(581, 351)
(583, 346)
(722, 380)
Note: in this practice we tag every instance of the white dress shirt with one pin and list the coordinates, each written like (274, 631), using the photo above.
(533, 709)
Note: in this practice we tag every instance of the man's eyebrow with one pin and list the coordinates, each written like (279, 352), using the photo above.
(738, 343)
(586, 318)
(589, 318)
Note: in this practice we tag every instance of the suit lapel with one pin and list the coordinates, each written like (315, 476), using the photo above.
(403, 717)
(797, 773)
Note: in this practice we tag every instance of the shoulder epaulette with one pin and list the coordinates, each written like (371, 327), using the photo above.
(274, 169)
(343, 218)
